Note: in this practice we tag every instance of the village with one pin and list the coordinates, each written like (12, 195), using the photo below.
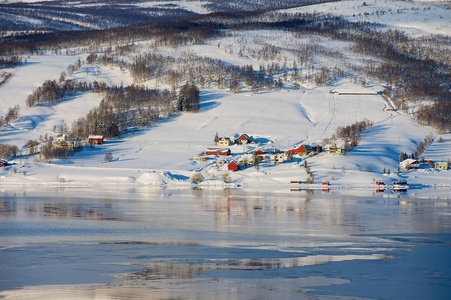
(276, 156)
(242, 151)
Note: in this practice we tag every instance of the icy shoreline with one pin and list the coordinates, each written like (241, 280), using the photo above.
(244, 184)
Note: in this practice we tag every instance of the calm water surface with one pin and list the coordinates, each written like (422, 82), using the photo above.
(114, 243)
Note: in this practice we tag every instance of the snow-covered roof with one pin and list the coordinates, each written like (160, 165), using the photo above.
(408, 162)
(244, 135)
(95, 137)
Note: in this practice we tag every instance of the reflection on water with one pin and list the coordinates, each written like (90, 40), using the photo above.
(55, 210)
(175, 269)
(201, 241)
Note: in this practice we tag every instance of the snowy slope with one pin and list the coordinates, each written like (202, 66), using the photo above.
(308, 116)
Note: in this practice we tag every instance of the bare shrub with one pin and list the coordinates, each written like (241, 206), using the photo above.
(310, 178)
(197, 177)
(108, 157)
(225, 177)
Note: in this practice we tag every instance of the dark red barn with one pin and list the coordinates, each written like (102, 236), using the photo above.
(218, 151)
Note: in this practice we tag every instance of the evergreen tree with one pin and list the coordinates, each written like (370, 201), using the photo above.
(216, 140)
(402, 156)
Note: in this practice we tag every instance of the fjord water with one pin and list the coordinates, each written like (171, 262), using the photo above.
(114, 243)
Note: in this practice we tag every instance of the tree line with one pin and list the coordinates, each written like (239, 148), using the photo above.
(352, 133)
(123, 109)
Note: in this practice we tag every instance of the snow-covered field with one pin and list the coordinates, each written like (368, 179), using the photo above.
(163, 154)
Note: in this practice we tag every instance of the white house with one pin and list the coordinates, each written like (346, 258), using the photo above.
(410, 164)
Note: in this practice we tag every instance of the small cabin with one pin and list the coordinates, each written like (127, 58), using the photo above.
(380, 182)
(233, 166)
(325, 183)
(95, 139)
(3, 163)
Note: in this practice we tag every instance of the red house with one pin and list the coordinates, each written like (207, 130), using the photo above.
(218, 151)
(260, 152)
(233, 166)
(3, 163)
(95, 139)
(243, 139)
(301, 150)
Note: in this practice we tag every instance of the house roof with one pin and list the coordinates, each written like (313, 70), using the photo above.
(408, 162)
(218, 149)
(95, 137)
(244, 136)
(306, 147)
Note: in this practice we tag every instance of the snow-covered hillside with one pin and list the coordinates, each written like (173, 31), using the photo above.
(277, 119)
(417, 18)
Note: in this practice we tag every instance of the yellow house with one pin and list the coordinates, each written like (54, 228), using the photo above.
(200, 158)
(62, 142)
(278, 158)
(333, 149)
(61, 137)
(224, 142)
(441, 165)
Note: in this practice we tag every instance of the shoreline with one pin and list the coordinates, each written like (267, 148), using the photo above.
(243, 186)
